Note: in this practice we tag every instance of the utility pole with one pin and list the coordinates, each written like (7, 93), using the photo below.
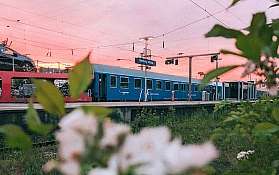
(190, 78)
(190, 67)
(146, 67)
(217, 78)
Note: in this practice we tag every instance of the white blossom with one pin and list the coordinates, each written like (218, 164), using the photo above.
(79, 121)
(112, 132)
(155, 167)
(251, 151)
(70, 167)
(144, 148)
(102, 171)
(71, 144)
(149, 152)
(244, 154)
(179, 158)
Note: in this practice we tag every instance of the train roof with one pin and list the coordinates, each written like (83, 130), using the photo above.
(138, 73)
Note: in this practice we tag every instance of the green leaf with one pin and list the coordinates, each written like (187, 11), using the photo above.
(97, 111)
(223, 51)
(217, 72)
(275, 27)
(80, 77)
(275, 114)
(34, 123)
(258, 21)
(219, 30)
(266, 128)
(49, 97)
(15, 137)
(250, 46)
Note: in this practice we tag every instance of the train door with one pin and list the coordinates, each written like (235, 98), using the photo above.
(245, 91)
(102, 87)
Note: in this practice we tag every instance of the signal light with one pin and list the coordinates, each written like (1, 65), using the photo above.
(214, 58)
(171, 61)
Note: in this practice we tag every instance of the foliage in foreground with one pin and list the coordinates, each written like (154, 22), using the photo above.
(192, 128)
(197, 128)
(258, 44)
(252, 127)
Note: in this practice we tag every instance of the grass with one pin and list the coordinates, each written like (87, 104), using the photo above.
(14, 162)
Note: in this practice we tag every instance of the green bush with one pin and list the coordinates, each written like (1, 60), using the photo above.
(250, 126)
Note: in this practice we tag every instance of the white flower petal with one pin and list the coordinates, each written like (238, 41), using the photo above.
(79, 121)
(70, 167)
(179, 158)
(71, 144)
(112, 132)
(102, 171)
(144, 148)
(155, 167)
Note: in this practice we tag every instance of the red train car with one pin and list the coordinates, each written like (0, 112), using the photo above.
(17, 86)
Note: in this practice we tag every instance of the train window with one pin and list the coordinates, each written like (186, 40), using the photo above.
(149, 84)
(63, 86)
(124, 82)
(175, 86)
(0, 87)
(113, 83)
(158, 84)
(22, 87)
(168, 86)
(137, 83)
(182, 87)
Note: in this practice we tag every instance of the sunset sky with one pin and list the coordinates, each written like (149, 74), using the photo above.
(69, 29)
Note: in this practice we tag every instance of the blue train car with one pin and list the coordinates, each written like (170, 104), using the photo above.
(240, 90)
(122, 84)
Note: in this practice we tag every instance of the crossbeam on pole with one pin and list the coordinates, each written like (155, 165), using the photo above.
(190, 67)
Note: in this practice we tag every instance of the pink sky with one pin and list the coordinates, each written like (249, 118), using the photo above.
(63, 25)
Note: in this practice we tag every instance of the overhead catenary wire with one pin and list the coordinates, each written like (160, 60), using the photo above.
(44, 16)
(222, 5)
(117, 45)
(38, 42)
(188, 24)
(111, 45)
(47, 29)
(209, 13)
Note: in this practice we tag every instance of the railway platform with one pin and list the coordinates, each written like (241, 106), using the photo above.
(127, 110)
(23, 106)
